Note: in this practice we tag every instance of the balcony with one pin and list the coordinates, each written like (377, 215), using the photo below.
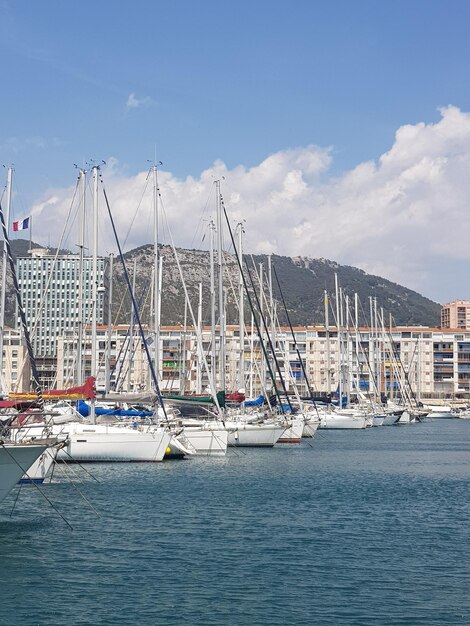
(443, 367)
(167, 354)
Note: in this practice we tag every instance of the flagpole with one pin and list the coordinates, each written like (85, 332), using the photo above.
(30, 231)
(4, 278)
(22, 314)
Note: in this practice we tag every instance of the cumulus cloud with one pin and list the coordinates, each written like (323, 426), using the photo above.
(403, 216)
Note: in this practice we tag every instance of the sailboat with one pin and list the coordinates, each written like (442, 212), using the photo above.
(35, 439)
(18, 450)
(253, 435)
(305, 421)
(203, 437)
(210, 434)
(41, 470)
(33, 430)
(103, 442)
(15, 461)
(259, 429)
(88, 441)
(335, 419)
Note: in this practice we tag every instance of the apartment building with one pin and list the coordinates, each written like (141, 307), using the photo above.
(120, 356)
(427, 362)
(15, 370)
(456, 315)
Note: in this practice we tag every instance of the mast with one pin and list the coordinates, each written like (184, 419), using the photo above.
(131, 332)
(276, 361)
(383, 378)
(219, 405)
(241, 310)
(357, 337)
(378, 359)
(340, 373)
(294, 339)
(181, 388)
(81, 262)
(273, 318)
(371, 349)
(27, 337)
(159, 319)
(94, 282)
(212, 298)
(252, 351)
(418, 369)
(4, 276)
(347, 349)
(199, 355)
(328, 351)
(392, 371)
(156, 274)
(261, 310)
(222, 356)
(110, 325)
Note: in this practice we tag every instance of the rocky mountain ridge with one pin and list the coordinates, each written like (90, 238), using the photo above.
(302, 280)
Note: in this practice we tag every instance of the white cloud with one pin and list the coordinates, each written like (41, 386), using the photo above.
(17, 144)
(134, 103)
(402, 217)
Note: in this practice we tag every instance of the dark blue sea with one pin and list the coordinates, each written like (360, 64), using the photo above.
(353, 527)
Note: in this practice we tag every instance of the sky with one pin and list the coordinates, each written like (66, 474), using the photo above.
(338, 129)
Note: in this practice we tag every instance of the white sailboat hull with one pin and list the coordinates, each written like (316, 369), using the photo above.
(390, 419)
(253, 435)
(15, 459)
(206, 441)
(293, 433)
(406, 418)
(342, 422)
(439, 412)
(310, 427)
(101, 442)
(41, 468)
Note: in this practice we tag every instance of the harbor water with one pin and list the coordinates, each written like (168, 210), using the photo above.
(352, 527)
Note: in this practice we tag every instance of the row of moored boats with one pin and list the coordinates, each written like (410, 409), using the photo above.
(32, 441)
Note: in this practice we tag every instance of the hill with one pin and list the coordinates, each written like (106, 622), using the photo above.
(302, 280)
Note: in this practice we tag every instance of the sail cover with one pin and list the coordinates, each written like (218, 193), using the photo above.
(84, 392)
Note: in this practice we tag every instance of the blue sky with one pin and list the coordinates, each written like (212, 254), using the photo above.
(200, 82)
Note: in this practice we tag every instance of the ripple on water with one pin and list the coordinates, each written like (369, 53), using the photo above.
(361, 528)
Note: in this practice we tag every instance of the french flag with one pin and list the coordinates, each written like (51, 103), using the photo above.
(21, 225)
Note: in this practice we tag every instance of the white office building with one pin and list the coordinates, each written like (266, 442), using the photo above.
(49, 288)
